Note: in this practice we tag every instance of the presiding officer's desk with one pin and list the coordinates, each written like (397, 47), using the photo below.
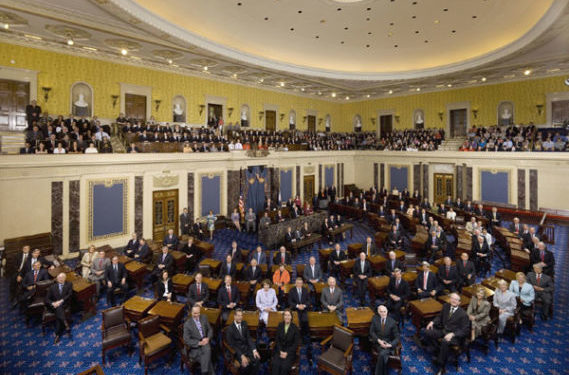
(274, 234)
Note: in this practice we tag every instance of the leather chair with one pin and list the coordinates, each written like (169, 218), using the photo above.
(36, 303)
(512, 327)
(153, 343)
(295, 368)
(490, 331)
(394, 360)
(115, 331)
(338, 358)
(184, 349)
(48, 317)
(230, 363)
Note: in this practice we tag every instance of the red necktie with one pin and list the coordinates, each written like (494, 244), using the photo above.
(464, 263)
(282, 258)
(447, 271)
(542, 255)
(35, 276)
(229, 293)
(199, 290)
(538, 279)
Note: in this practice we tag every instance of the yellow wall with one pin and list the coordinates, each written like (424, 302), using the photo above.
(60, 71)
(524, 94)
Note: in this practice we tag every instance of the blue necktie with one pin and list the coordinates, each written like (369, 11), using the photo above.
(60, 288)
(199, 325)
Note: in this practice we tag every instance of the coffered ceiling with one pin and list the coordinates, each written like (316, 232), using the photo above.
(331, 49)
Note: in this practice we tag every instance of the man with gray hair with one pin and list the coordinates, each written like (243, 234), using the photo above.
(384, 336)
(197, 336)
(543, 286)
(251, 221)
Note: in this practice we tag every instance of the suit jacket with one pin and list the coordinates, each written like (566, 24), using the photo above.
(294, 299)
(335, 257)
(192, 335)
(429, 243)
(289, 237)
(478, 212)
(191, 250)
(458, 323)
(132, 245)
(144, 253)
(463, 271)
(161, 288)
(468, 208)
(277, 258)
(53, 293)
(548, 259)
(490, 217)
(546, 282)
(308, 275)
(224, 271)
(337, 299)
(401, 291)
(223, 298)
(391, 218)
(260, 258)
(28, 264)
(373, 250)
(167, 261)
(173, 242)
(512, 229)
(389, 268)
(237, 256)
(287, 342)
(478, 248)
(389, 333)
(113, 276)
(394, 237)
(185, 222)
(250, 275)
(448, 203)
(96, 266)
(193, 296)
(357, 270)
(29, 278)
(452, 274)
(431, 282)
(242, 342)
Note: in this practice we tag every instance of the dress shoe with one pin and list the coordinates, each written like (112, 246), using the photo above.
(56, 341)
(441, 372)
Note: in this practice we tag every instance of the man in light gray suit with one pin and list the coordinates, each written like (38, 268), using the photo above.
(543, 286)
(332, 298)
(98, 267)
(197, 336)
(312, 273)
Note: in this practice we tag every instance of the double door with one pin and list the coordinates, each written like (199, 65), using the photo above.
(444, 186)
(164, 213)
(14, 96)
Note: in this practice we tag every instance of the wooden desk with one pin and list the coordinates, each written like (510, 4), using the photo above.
(179, 260)
(492, 282)
(213, 285)
(470, 291)
(251, 317)
(307, 241)
(323, 256)
(205, 248)
(343, 228)
(377, 286)
(318, 286)
(181, 283)
(359, 320)
(346, 267)
(170, 313)
(275, 317)
(61, 269)
(137, 307)
(322, 323)
(423, 310)
(124, 259)
(464, 300)
(507, 275)
(378, 262)
(213, 315)
(84, 293)
(410, 277)
(136, 271)
(213, 265)
(354, 250)
(244, 290)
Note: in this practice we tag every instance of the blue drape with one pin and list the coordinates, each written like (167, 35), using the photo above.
(256, 178)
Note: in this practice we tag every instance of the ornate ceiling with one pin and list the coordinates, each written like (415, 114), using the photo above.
(331, 49)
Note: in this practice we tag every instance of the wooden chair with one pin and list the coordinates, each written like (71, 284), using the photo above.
(460, 349)
(230, 363)
(338, 358)
(295, 368)
(513, 324)
(153, 343)
(36, 304)
(48, 317)
(394, 360)
(95, 370)
(115, 331)
(490, 331)
(184, 349)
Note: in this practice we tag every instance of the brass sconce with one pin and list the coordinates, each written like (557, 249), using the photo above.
(261, 114)
(475, 113)
(201, 107)
(320, 121)
(304, 119)
(441, 115)
(539, 108)
(46, 91)
(372, 119)
(230, 111)
(157, 104)
(115, 98)
(396, 118)
(281, 116)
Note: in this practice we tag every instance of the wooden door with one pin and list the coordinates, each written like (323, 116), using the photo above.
(14, 96)
(458, 122)
(308, 188)
(312, 124)
(164, 213)
(385, 124)
(271, 120)
(135, 106)
(214, 114)
(444, 186)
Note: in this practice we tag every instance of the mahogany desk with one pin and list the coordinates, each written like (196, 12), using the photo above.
(322, 323)
(491, 282)
(464, 300)
(213, 285)
(213, 315)
(378, 262)
(181, 283)
(423, 310)
(213, 265)
(507, 275)
(179, 260)
(359, 320)
(136, 271)
(251, 317)
(470, 291)
(136, 307)
(343, 228)
(354, 250)
(377, 286)
(323, 256)
(275, 317)
(170, 313)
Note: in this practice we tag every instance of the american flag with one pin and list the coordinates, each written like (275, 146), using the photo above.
(241, 206)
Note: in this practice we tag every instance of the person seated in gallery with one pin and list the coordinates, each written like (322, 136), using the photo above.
(131, 247)
(171, 240)
(265, 221)
(468, 207)
(433, 246)
(279, 218)
(524, 291)
(381, 211)
(269, 205)
(425, 204)
(332, 298)
(198, 292)
(197, 337)
(87, 261)
(326, 229)
(391, 216)
(236, 219)
(164, 262)
(494, 218)
(459, 204)
(192, 255)
(397, 293)
(361, 272)
(426, 283)
(384, 336)
(448, 276)
(250, 221)
(281, 277)
(253, 274)
(505, 301)
(516, 227)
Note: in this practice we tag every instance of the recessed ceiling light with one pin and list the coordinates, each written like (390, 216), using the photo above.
(319, 92)
(239, 4)
(262, 80)
(300, 11)
(414, 3)
(390, 92)
(170, 61)
(342, 42)
(6, 26)
(437, 22)
(339, 9)
(416, 31)
(368, 95)
(124, 52)
(282, 84)
(266, 18)
(347, 98)
(205, 68)
(418, 89)
(527, 72)
(302, 89)
(454, 31)
(483, 79)
(317, 36)
(449, 85)
(368, 19)
(346, 28)
(474, 16)
(413, 17)
(234, 75)
(367, 45)
(391, 23)
(445, 10)
(368, 9)
(322, 21)
(426, 41)
(292, 29)
(396, 45)
(369, 33)
(333, 94)
(70, 42)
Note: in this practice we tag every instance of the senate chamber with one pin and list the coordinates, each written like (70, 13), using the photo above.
(284, 187)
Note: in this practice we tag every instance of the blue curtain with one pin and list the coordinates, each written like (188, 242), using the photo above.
(108, 214)
(398, 178)
(256, 177)
(211, 193)
(329, 176)
(495, 186)
(286, 185)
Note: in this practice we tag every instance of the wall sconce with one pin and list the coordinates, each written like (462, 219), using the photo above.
(441, 115)
(320, 121)
(303, 119)
(281, 116)
(539, 108)
(261, 114)
(201, 107)
(475, 112)
(230, 111)
(396, 118)
(114, 98)
(157, 104)
(372, 119)
(46, 91)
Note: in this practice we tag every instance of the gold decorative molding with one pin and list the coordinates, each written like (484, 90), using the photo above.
(165, 180)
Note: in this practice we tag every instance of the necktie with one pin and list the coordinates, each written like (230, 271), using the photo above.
(100, 262)
(61, 288)
(332, 291)
(542, 255)
(452, 311)
(392, 264)
(368, 249)
(36, 276)
(199, 289)
(282, 258)
(312, 271)
(258, 258)
(239, 329)
(362, 265)
(199, 325)
(163, 257)
(464, 263)
(115, 267)
(229, 293)
(382, 325)
(254, 268)
(299, 293)
(23, 261)
(425, 276)
(397, 283)
(538, 279)
(228, 268)
(447, 270)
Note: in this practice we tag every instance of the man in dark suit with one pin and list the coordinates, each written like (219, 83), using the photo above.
(459, 204)
(33, 112)
(235, 252)
(258, 255)
(369, 247)
(402, 207)
(384, 335)
(115, 276)
(448, 202)
(22, 267)
(479, 210)
(425, 204)
(468, 207)
(228, 267)
(227, 297)
(543, 287)
(516, 227)
(466, 270)
(397, 292)
(494, 219)
(57, 299)
(312, 273)
(253, 274)
(424, 218)
(171, 240)
(299, 301)
(281, 256)
(481, 254)
(295, 211)
(197, 336)
(29, 283)
(192, 254)
(426, 282)
(164, 262)
(132, 246)
(336, 257)
(543, 257)
(448, 276)
(394, 238)
(361, 271)
(185, 222)
(432, 246)
(239, 339)
(269, 205)
(391, 216)
(451, 326)
(442, 210)
(144, 253)
(392, 263)
(198, 293)
(290, 237)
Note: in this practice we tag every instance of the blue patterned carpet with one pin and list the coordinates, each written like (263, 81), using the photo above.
(25, 351)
